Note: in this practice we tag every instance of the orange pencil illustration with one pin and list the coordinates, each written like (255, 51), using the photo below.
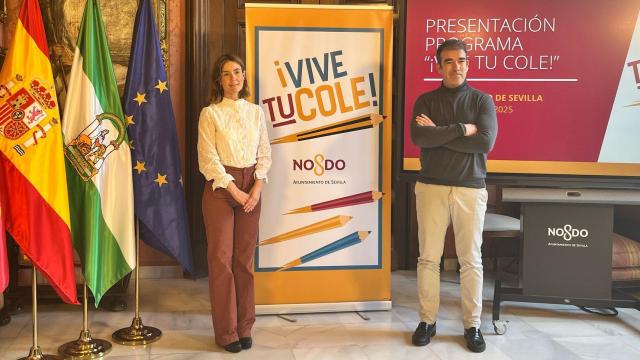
(357, 199)
(345, 242)
(324, 225)
(353, 124)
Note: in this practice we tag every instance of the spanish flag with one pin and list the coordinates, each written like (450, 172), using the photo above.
(33, 181)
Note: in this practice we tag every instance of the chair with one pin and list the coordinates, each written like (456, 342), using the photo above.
(501, 232)
(500, 235)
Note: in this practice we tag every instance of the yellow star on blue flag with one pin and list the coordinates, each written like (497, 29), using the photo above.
(162, 86)
(140, 98)
(161, 180)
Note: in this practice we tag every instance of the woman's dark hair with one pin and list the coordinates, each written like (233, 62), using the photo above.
(218, 92)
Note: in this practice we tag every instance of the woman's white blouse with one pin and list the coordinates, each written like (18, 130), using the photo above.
(232, 133)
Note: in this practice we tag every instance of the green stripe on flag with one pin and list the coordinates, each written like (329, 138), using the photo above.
(102, 261)
(93, 45)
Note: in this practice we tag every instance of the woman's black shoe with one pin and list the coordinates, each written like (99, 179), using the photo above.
(246, 342)
(234, 347)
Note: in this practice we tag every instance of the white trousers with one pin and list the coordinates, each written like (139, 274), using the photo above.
(438, 206)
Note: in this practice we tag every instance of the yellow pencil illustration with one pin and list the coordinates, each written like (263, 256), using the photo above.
(353, 124)
(324, 225)
(345, 242)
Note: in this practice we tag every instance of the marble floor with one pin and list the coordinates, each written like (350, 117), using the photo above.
(535, 331)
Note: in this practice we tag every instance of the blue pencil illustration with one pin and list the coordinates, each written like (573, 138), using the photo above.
(345, 242)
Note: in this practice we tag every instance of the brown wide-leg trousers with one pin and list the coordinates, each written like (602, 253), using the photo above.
(231, 238)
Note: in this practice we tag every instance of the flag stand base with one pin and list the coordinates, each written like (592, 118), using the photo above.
(36, 354)
(85, 347)
(136, 334)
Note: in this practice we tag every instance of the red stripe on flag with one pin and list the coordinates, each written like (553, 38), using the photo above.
(31, 19)
(41, 234)
(4, 261)
(6, 108)
(5, 115)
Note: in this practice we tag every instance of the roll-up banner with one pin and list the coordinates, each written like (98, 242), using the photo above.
(322, 75)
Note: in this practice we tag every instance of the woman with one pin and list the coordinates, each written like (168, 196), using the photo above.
(234, 156)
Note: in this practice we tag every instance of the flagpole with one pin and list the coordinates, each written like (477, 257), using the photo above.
(36, 353)
(85, 347)
(137, 333)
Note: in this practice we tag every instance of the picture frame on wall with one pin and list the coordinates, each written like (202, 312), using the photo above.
(3, 11)
(62, 20)
(3, 20)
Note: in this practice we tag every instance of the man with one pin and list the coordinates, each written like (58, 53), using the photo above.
(455, 126)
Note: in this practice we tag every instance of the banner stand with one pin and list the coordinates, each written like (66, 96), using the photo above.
(322, 75)
(280, 309)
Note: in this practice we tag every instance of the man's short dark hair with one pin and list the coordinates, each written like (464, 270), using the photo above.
(451, 44)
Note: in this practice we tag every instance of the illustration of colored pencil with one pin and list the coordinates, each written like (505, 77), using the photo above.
(324, 225)
(357, 199)
(345, 242)
(353, 124)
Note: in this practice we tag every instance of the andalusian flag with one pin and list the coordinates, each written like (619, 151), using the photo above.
(33, 184)
(98, 161)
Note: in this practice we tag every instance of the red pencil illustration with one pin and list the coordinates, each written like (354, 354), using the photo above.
(357, 199)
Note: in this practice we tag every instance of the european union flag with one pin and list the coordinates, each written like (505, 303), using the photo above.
(159, 195)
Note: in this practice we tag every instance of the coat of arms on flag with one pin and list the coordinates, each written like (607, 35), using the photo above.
(88, 151)
(25, 105)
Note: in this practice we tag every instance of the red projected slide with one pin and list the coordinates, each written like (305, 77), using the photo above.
(564, 75)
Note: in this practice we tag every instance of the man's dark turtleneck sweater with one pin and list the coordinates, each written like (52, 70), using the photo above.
(447, 156)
